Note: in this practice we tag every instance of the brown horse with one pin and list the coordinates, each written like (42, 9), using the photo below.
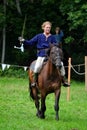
(49, 81)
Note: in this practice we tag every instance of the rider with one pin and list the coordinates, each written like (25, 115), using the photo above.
(42, 42)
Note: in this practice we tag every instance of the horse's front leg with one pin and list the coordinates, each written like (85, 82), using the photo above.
(37, 106)
(43, 106)
(57, 96)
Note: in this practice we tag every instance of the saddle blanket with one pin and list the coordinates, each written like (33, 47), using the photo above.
(33, 65)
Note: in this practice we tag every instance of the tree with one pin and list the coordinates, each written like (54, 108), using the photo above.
(18, 7)
(4, 34)
(75, 12)
(71, 16)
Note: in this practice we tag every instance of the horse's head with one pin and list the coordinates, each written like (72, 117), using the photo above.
(56, 56)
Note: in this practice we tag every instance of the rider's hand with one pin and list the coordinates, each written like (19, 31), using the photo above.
(21, 39)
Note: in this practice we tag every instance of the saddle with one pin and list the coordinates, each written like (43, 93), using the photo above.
(34, 62)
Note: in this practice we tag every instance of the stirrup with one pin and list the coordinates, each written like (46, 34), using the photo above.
(33, 84)
(65, 84)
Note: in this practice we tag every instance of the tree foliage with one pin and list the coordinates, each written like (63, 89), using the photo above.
(76, 15)
(70, 15)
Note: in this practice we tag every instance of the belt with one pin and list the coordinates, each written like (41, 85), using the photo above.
(45, 49)
(42, 49)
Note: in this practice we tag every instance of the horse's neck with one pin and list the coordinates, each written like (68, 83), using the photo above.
(47, 69)
(50, 66)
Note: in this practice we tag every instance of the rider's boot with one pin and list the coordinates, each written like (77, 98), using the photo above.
(65, 84)
(34, 80)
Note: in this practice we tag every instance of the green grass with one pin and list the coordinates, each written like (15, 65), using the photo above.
(17, 111)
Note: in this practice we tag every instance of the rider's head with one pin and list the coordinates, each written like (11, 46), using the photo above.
(46, 26)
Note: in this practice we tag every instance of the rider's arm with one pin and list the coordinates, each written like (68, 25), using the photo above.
(31, 41)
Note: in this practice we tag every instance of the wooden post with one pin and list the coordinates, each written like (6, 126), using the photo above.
(86, 73)
(69, 76)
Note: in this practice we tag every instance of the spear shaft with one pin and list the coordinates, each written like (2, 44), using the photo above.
(23, 29)
(22, 34)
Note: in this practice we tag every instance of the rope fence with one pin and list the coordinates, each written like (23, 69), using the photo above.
(4, 66)
(20, 66)
(79, 66)
(77, 71)
(70, 66)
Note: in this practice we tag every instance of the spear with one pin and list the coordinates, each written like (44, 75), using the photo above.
(23, 29)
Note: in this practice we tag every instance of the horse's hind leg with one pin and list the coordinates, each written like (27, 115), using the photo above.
(57, 96)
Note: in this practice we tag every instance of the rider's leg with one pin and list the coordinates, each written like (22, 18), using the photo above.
(38, 66)
(65, 84)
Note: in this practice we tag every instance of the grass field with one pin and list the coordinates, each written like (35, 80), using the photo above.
(17, 111)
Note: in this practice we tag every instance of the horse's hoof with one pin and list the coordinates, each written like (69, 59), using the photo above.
(57, 118)
(42, 117)
(38, 114)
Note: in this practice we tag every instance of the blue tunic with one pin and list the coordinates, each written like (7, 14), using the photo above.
(41, 43)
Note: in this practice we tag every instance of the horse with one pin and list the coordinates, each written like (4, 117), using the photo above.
(49, 81)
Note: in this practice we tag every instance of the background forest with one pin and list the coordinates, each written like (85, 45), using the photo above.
(69, 15)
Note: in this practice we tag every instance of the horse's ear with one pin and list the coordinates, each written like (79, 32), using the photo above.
(51, 45)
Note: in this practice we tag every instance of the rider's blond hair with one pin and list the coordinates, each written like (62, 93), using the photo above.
(45, 23)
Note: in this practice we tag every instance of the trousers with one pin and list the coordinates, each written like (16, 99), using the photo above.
(62, 70)
(38, 65)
